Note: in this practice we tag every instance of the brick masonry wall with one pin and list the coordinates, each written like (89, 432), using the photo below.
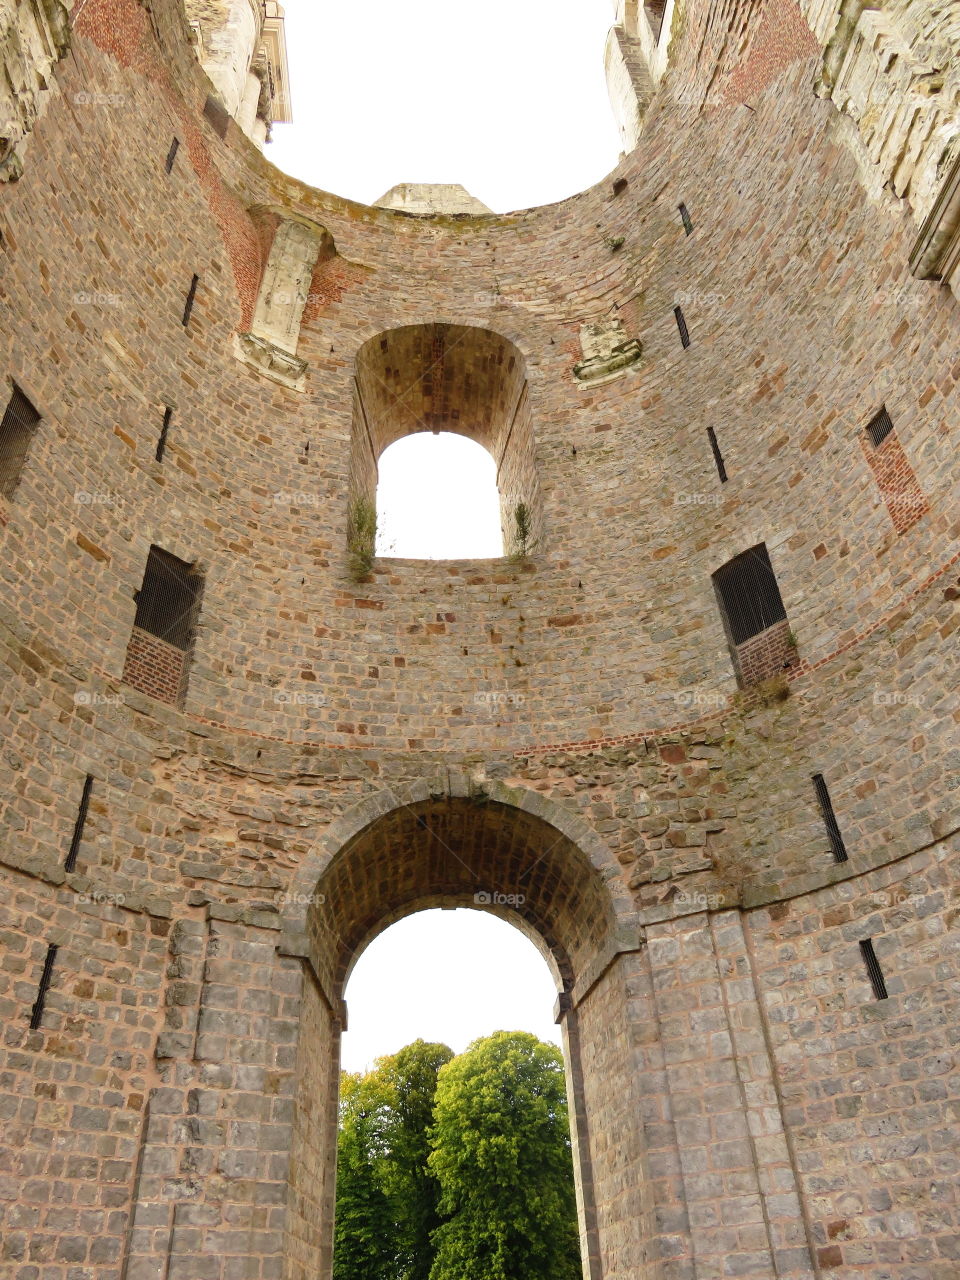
(766, 655)
(72, 1094)
(621, 1171)
(167, 1143)
(154, 667)
(868, 1086)
(336, 634)
(313, 1158)
(898, 485)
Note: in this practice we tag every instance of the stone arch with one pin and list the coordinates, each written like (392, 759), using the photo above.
(447, 377)
(440, 842)
(453, 784)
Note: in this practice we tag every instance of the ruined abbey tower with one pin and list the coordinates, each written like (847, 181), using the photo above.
(707, 727)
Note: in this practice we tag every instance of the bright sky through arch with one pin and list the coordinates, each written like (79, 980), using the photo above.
(508, 98)
(437, 499)
(448, 976)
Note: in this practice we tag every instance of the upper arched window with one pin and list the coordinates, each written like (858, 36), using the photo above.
(446, 380)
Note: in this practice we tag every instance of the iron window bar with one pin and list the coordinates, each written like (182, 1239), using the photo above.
(79, 825)
(879, 427)
(36, 1013)
(749, 595)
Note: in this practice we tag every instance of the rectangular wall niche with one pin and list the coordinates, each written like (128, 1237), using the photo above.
(754, 616)
(161, 643)
(217, 116)
(20, 421)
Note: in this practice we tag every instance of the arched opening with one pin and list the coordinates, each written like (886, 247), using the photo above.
(437, 499)
(442, 378)
(493, 978)
(484, 849)
(470, 1046)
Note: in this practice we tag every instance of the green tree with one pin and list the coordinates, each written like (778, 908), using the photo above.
(386, 1195)
(364, 1235)
(502, 1156)
(411, 1078)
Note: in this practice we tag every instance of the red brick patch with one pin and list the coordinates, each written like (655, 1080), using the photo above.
(154, 667)
(895, 477)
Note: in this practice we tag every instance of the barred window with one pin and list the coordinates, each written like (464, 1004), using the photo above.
(16, 431)
(879, 427)
(168, 603)
(748, 593)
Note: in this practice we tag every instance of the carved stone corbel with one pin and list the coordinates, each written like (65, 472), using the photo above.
(607, 353)
(271, 345)
(272, 361)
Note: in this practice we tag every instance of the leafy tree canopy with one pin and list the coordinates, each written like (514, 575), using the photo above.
(502, 1156)
(457, 1168)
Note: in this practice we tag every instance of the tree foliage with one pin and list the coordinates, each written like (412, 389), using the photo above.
(502, 1157)
(364, 1219)
(457, 1168)
(386, 1195)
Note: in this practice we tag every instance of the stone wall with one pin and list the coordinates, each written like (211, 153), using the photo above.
(173, 1114)
(33, 39)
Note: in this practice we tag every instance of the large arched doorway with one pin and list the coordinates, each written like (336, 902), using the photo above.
(490, 848)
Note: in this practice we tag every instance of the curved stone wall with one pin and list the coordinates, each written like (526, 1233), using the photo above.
(595, 675)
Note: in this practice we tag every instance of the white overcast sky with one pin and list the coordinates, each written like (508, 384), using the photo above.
(508, 99)
(447, 976)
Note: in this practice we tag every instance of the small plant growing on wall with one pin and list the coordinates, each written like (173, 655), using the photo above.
(523, 540)
(361, 538)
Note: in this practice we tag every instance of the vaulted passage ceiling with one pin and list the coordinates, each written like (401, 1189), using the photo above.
(440, 377)
(447, 851)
